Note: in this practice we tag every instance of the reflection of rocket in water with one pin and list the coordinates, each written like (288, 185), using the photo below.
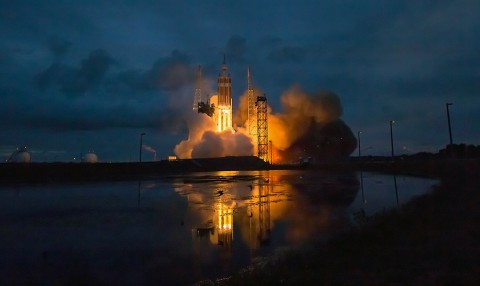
(223, 219)
(219, 230)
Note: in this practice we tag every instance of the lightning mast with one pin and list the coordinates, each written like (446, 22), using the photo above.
(252, 109)
(262, 127)
(198, 88)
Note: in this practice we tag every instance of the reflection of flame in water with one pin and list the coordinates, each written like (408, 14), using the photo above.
(259, 225)
(224, 224)
(267, 209)
(260, 200)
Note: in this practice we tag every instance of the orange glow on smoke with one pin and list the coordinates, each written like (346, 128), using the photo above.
(209, 138)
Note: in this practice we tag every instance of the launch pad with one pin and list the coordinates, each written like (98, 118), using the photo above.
(220, 108)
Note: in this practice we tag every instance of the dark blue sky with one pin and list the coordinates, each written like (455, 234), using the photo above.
(91, 75)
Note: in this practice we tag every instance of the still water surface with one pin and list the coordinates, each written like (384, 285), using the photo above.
(179, 230)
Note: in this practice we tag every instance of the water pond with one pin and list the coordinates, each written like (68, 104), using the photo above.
(182, 229)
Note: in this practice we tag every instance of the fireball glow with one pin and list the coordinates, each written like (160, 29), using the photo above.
(290, 133)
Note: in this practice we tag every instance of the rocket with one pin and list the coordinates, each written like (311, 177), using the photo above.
(223, 110)
(224, 83)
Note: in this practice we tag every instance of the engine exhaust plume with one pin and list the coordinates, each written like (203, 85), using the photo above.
(205, 142)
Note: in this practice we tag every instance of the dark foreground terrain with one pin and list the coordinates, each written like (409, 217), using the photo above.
(432, 240)
(60, 172)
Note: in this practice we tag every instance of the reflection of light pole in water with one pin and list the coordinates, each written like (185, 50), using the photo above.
(449, 126)
(361, 186)
(139, 188)
(141, 144)
(396, 188)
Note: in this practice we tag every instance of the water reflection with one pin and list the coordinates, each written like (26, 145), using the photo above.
(320, 206)
(224, 223)
(303, 204)
(361, 187)
(138, 193)
(259, 214)
(143, 187)
(183, 229)
(381, 192)
(396, 189)
(229, 204)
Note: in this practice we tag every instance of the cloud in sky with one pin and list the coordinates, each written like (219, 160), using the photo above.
(73, 80)
(58, 46)
(287, 54)
(129, 65)
(236, 49)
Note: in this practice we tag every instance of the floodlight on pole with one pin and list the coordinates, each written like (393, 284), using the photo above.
(391, 137)
(359, 145)
(141, 145)
(449, 126)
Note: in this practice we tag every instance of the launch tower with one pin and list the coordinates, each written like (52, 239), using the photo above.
(262, 127)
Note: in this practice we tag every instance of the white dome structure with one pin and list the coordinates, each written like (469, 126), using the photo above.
(21, 155)
(90, 158)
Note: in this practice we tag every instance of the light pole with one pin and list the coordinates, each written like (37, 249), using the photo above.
(391, 137)
(141, 144)
(449, 126)
(359, 145)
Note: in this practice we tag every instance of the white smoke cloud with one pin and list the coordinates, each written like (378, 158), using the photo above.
(204, 142)
(148, 148)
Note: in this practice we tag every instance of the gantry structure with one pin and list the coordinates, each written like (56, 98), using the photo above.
(262, 128)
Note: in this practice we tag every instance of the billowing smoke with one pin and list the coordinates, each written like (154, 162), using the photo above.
(151, 150)
(300, 109)
(332, 140)
(148, 148)
(204, 142)
(310, 126)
